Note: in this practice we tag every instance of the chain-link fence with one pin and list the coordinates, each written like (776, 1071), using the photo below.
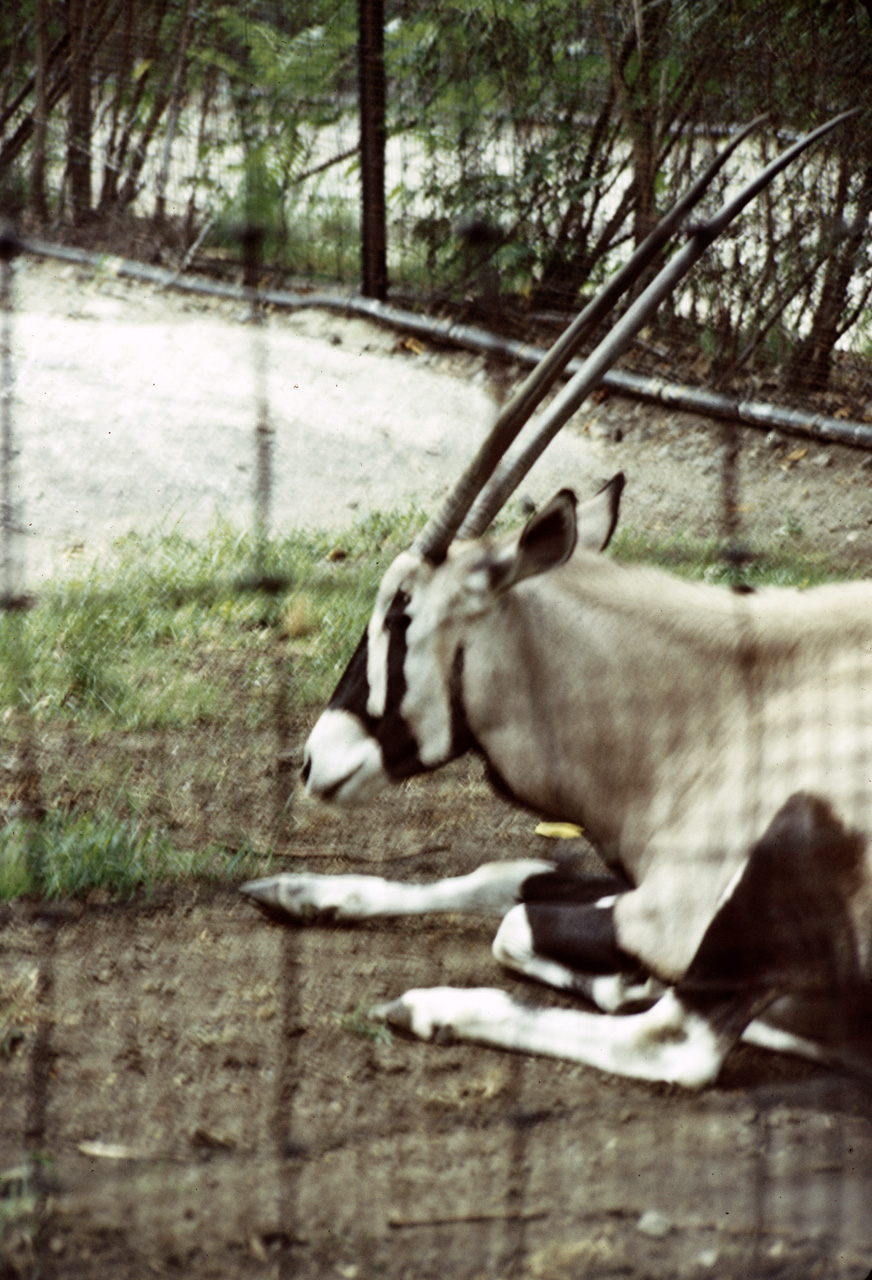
(183, 1086)
(186, 1087)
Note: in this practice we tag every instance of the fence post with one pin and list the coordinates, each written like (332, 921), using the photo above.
(252, 237)
(23, 781)
(9, 525)
(373, 138)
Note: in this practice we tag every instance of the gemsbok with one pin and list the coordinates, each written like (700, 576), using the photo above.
(715, 745)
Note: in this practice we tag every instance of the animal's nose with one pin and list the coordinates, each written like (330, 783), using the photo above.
(342, 760)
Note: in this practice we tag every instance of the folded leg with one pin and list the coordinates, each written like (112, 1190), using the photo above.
(574, 947)
(783, 925)
(668, 1042)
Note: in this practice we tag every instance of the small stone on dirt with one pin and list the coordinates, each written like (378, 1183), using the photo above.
(655, 1224)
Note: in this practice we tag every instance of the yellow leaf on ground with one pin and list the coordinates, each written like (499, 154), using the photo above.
(559, 830)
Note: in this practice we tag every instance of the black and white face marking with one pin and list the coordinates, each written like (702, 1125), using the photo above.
(342, 760)
(377, 730)
(398, 709)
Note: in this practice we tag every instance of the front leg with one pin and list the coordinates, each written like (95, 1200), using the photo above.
(668, 1042)
(306, 897)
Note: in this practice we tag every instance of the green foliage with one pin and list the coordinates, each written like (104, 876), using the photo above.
(72, 854)
(19, 1218)
(478, 84)
(568, 127)
(286, 82)
(298, 66)
(167, 635)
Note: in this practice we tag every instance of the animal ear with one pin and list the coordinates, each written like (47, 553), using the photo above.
(598, 517)
(547, 540)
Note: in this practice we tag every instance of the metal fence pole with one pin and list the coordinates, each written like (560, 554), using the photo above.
(373, 139)
(252, 245)
(9, 530)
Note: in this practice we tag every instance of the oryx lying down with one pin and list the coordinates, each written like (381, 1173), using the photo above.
(715, 746)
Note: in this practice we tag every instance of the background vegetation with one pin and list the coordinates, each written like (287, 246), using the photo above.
(530, 145)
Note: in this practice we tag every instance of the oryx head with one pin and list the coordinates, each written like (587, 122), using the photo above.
(398, 709)
(395, 711)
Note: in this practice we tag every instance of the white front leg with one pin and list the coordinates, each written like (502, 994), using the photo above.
(491, 890)
(666, 1043)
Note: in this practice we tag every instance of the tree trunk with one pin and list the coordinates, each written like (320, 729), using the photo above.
(151, 55)
(178, 93)
(207, 94)
(79, 128)
(570, 257)
(373, 137)
(123, 73)
(38, 201)
(639, 108)
(811, 363)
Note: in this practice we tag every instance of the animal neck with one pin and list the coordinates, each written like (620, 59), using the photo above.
(581, 699)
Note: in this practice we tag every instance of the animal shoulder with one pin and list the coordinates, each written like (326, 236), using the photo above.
(839, 609)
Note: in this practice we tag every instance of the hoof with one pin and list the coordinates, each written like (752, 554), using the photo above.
(395, 1013)
(263, 892)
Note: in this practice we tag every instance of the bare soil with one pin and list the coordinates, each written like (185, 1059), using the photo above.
(201, 1089)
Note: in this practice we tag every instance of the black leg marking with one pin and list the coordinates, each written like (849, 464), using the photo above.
(567, 926)
(582, 937)
(563, 886)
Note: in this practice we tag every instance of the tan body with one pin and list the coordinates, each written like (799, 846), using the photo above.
(672, 721)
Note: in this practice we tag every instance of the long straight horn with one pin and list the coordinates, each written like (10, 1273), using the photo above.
(601, 359)
(433, 541)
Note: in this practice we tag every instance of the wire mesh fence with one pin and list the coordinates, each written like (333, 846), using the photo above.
(185, 1086)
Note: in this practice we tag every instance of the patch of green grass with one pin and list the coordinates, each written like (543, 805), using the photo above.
(175, 632)
(19, 1218)
(360, 1023)
(781, 564)
(171, 632)
(72, 854)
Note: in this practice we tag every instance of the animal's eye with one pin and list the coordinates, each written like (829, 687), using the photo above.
(396, 617)
(397, 621)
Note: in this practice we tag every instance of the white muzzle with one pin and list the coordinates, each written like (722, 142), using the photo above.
(342, 762)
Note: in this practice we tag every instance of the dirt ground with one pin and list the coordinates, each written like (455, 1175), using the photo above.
(208, 1099)
(199, 1091)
